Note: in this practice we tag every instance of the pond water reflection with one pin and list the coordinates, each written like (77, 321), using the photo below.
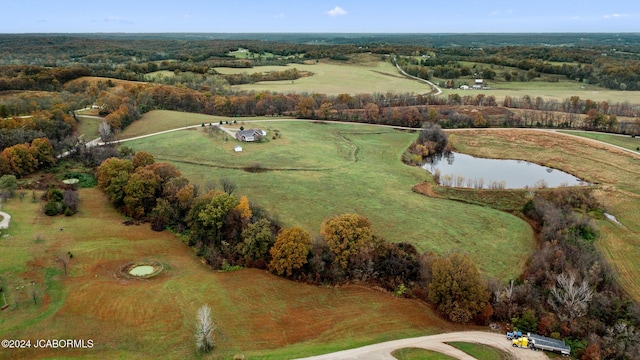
(461, 170)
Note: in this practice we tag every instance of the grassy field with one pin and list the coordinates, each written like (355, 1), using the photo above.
(624, 141)
(161, 120)
(419, 354)
(481, 351)
(616, 173)
(550, 91)
(258, 314)
(320, 170)
(333, 78)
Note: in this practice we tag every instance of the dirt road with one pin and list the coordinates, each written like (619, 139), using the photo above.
(382, 351)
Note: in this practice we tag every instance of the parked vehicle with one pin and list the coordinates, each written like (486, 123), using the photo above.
(522, 342)
(538, 342)
(514, 335)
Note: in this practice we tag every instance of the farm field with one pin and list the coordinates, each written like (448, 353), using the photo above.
(161, 120)
(614, 171)
(547, 91)
(334, 78)
(348, 168)
(257, 313)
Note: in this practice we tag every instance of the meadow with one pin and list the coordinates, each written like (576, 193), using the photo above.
(363, 74)
(317, 170)
(258, 314)
(625, 141)
(614, 172)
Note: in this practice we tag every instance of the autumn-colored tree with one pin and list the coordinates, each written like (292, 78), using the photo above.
(43, 152)
(207, 217)
(456, 288)
(113, 175)
(372, 112)
(243, 208)
(257, 239)
(142, 159)
(346, 235)
(19, 159)
(479, 121)
(140, 192)
(290, 251)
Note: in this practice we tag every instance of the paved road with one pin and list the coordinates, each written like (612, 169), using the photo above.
(382, 351)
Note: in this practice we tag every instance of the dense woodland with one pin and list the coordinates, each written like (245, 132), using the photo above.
(566, 289)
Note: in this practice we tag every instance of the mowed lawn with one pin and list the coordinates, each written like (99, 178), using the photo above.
(258, 314)
(615, 172)
(333, 78)
(315, 171)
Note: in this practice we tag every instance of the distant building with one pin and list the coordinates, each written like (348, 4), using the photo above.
(250, 135)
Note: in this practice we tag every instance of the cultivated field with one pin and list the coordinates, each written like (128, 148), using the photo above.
(258, 314)
(333, 78)
(320, 170)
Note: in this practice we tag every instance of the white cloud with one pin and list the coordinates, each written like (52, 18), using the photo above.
(186, 16)
(117, 19)
(615, 16)
(501, 12)
(279, 16)
(336, 11)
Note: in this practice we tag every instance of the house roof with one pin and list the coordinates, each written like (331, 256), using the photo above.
(251, 132)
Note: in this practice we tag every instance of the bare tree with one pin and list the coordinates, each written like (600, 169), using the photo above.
(228, 185)
(104, 129)
(64, 260)
(569, 299)
(204, 329)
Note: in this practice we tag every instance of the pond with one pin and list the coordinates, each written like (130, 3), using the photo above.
(142, 270)
(461, 170)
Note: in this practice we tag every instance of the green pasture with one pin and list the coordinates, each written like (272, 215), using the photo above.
(419, 354)
(481, 351)
(163, 73)
(161, 120)
(315, 171)
(257, 313)
(334, 79)
(624, 141)
(88, 127)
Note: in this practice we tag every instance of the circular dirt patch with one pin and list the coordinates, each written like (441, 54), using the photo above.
(141, 270)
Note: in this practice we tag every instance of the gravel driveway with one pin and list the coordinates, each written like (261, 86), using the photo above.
(382, 351)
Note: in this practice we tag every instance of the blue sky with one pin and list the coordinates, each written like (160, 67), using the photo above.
(73, 16)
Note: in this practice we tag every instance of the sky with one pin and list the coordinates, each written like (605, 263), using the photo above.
(318, 16)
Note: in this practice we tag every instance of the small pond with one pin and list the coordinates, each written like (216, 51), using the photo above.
(142, 270)
(461, 170)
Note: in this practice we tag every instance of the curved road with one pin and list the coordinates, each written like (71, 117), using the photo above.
(382, 351)
(434, 86)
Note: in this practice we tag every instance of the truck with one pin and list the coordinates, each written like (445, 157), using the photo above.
(522, 342)
(514, 335)
(539, 342)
